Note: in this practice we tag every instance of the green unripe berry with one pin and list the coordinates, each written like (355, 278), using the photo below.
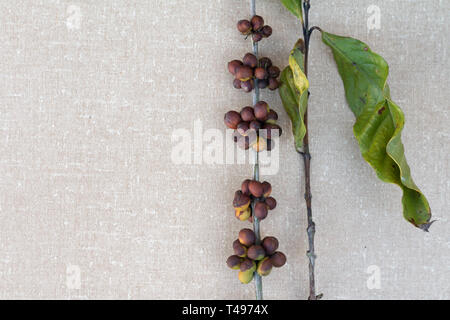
(246, 276)
(243, 214)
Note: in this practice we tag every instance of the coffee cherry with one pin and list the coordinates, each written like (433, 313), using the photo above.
(261, 110)
(264, 267)
(241, 201)
(244, 73)
(257, 23)
(274, 72)
(247, 114)
(244, 26)
(256, 188)
(250, 60)
(257, 37)
(261, 210)
(270, 144)
(237, 83)
(247, 264)
(243, 215)
(239, 249)
(261, 73)
(266, 31)
(278, 259)
(270, 245)
(247, 86)
(262, 84)
(271, 130)
(265, 63)
(234, 262)
(273, 84)
(271, 203)
(256, 252)
(232, 119)
(267, 189)
(272, 117)
(245, 276)
(255, 125)
(247, 237)
(232, 65)
(243, 128)
(244, 187)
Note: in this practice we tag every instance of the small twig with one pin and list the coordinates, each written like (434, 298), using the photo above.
(256, 227)
(311, 230)
(312, 29)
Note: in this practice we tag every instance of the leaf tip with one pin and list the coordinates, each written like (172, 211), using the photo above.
(426, 226)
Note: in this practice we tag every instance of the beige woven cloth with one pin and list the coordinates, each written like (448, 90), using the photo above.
(92, 205)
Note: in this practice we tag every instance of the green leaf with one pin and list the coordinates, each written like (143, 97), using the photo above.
(294, 92)
(294, 6)
(379, 121)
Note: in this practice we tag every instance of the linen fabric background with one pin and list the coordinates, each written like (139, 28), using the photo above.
(93, 207)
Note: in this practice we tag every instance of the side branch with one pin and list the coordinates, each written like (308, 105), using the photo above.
(311, 230)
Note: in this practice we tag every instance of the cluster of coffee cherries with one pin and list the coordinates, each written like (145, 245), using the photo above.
(251, 68)
(255, 27)
(255, 126)
(260, 193)
(250, 257)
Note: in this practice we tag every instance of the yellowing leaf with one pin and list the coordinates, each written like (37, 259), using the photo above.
(294, 93)
(379, 121)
